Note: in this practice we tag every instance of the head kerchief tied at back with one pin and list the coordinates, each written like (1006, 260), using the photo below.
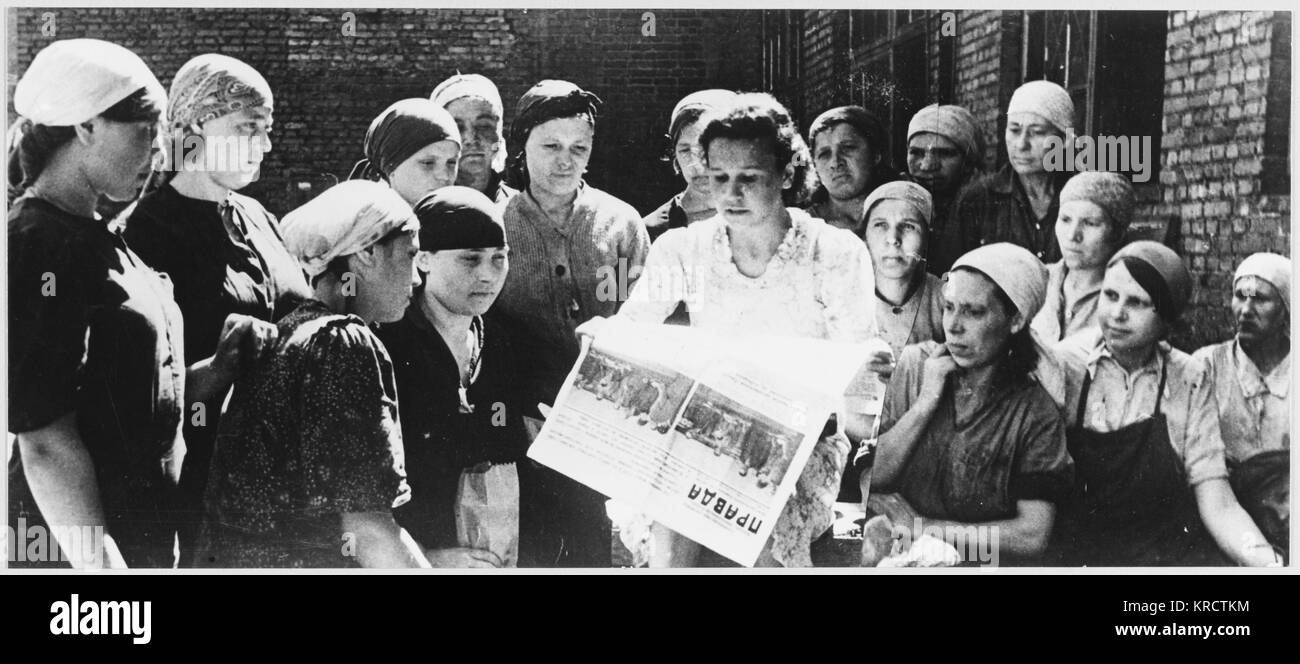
(468, 85)
(212, 85)
(548, 100)
(1160, 272)
(459, 218)
(1273, 268)
(1015, 270)
(702, 99)
(72, 81)
(902, 190)
(403, 129)
(344, 219)
(1111, 192)
(954, 123)
(1046, 99)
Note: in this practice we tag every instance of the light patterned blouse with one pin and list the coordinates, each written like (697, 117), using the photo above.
(818, 285)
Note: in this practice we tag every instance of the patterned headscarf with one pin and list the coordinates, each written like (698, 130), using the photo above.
(210, 86)
(343, 220)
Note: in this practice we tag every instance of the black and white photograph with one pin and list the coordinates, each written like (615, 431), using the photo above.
(755, 446)
(639, 392)
(279, 276)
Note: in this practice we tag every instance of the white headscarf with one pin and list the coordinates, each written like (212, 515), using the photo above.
(343, 220)
(1015, 270)
(74, 80)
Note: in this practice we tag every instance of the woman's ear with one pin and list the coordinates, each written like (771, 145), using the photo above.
(424, 261)
(86, 132)
(787, 180)
(1018, 322)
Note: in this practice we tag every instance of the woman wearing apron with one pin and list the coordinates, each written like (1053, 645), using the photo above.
(1143, 430)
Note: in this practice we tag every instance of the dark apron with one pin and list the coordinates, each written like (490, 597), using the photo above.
(1132, 505)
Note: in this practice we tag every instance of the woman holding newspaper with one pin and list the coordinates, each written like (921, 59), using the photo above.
(764, 268)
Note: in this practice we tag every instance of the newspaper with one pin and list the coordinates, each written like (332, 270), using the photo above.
(706, 434)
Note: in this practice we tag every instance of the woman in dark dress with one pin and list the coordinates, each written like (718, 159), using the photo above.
(454, 370)
(308, 464)
(97, 374)
(223, 251)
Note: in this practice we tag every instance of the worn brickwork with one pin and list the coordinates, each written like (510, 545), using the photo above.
(1224, 188)
(1218, 87)
(329, 85)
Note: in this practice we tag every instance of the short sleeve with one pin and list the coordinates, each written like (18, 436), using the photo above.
(50, 308)
(1203, 449)
(351, 440)
(1043, 468)
(662, 283)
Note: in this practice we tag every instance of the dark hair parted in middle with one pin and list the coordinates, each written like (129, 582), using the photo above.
(758, 116)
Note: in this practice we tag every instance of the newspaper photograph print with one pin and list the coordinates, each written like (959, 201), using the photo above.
(685, 427)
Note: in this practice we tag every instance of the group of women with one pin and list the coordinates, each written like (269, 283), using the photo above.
(216, 388)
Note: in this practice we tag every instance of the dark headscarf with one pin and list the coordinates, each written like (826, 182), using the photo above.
(403, 129)
(459, 218)
(545, 101)
(1161, 273)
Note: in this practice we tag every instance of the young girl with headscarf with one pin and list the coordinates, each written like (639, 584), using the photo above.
(1094, 217)
(909, 302)
(454, 372)
(695, 202)
(414, 146)
(1144, 432)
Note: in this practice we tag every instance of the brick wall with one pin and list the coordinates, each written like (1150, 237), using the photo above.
(979, 78)
(330, 86)
(1217, 91)
(1224, 189)
(822, 79)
